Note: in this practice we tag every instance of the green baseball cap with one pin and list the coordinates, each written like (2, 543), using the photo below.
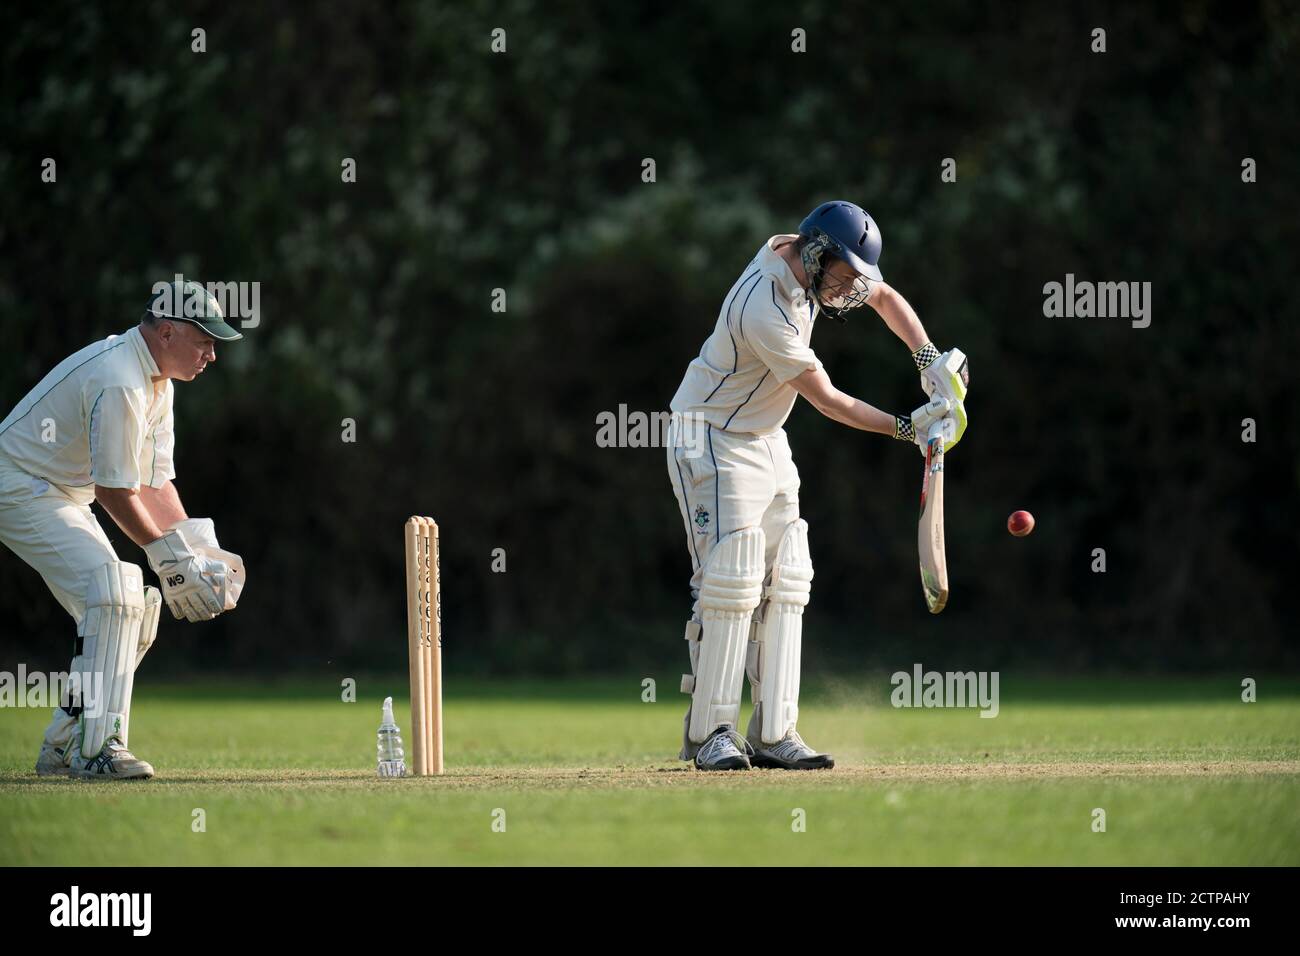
(187, 301)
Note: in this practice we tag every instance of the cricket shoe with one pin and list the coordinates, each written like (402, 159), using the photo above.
(724, 750)
(791, 753)
(114, 762)
(52, 761)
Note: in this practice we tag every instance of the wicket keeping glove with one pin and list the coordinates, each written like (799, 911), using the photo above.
(192, 585)
(202, 537)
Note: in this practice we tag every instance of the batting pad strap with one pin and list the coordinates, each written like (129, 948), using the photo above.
(694, 630)
(754, 661)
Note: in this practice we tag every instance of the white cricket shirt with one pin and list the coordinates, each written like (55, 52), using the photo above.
(97, 419)
(760, 341)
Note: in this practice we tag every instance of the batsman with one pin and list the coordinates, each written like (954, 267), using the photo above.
(737, 486)
(98, 428)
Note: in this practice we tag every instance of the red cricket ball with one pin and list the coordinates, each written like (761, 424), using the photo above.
(1020, 523)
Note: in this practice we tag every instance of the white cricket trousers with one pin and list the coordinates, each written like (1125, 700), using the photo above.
(728, 481)
(61, 539)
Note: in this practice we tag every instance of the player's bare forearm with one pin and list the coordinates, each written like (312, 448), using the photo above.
(858, 414)
(163, 504)
(129, 513)
(899, 316)
(815, 385)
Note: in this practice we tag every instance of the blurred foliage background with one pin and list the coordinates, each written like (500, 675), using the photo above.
(521, 171)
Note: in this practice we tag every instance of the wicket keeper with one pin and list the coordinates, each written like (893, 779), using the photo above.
(99, 428)
(737, 486)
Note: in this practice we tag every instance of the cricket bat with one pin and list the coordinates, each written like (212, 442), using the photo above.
(949, 379)
(929, 532)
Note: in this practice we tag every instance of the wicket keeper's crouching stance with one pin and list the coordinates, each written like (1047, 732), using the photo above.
(99, 428)
(738, 489)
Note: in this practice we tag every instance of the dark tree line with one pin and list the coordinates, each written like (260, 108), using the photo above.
(522, 171)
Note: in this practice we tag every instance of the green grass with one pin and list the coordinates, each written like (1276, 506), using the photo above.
(584, 773)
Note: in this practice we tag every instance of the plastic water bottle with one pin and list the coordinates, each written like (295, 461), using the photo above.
(392, 759)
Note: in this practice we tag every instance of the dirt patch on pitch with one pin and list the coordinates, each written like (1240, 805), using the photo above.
(672, 777)
(676, 776)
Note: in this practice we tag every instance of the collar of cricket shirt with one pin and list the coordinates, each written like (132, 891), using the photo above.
(143, 354)
(784, 276)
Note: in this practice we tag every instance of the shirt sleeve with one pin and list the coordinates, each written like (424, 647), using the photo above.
(117, 433)
(778, 343)
(157, 464)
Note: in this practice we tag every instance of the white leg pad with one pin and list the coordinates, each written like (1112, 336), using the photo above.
(729, 592)
(773, 664)
(149, 630)
(115, 609)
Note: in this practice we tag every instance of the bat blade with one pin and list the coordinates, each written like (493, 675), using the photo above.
(929, 532)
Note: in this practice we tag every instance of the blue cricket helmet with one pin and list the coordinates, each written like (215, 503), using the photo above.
(845, 231)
